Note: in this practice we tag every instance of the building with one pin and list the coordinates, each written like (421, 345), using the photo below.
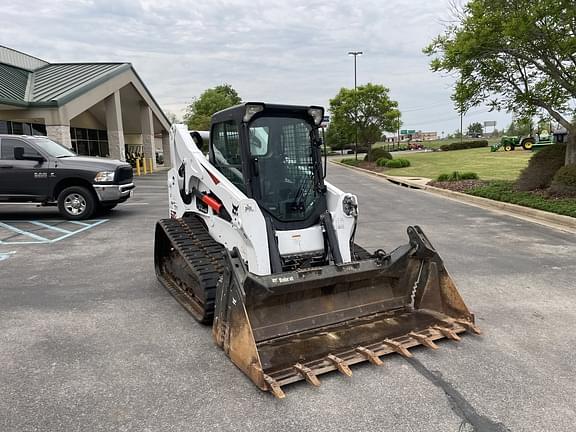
(427, 136)
(97, 109)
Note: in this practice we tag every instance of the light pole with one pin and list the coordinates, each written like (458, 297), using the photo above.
(355, 54)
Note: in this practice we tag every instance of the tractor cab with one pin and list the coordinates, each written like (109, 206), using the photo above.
(272, 154)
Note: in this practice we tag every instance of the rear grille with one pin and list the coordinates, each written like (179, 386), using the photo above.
(124, 174)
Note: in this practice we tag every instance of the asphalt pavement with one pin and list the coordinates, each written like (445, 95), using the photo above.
(90, 341)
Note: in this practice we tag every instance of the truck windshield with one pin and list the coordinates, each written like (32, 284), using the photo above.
(285, 161)
(53, 148)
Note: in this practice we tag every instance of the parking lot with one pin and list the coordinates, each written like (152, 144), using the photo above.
(90, 341)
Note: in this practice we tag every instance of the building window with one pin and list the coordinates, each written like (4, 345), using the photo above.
(90, 142)
(17, 128)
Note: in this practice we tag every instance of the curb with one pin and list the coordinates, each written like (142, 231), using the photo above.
(561, 222)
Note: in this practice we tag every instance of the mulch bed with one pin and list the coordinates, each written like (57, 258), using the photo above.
(458, 186)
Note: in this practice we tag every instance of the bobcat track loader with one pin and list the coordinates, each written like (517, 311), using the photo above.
(259, 244)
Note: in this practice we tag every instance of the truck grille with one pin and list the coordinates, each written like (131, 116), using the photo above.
(124, 174)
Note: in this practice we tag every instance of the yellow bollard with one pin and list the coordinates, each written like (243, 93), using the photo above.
(144, 165)
(151, 166)
(138, 167)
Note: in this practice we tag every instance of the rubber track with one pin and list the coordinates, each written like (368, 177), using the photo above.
(203, 256)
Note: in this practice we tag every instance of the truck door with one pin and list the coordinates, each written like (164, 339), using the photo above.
(22, 178)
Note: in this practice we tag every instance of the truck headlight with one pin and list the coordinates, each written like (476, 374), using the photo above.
(104, 176)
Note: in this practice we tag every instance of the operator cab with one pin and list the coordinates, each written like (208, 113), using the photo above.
(272, 154)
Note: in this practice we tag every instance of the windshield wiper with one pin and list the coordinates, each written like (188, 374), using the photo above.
(63, 156)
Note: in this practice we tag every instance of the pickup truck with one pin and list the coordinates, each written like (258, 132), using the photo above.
(37, 169)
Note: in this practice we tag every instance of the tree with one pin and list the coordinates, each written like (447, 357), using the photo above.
(368, 110)
(475, 129)
(518, 54)
(172, 117)
(338, 137)
(198, 113)
(520, 126)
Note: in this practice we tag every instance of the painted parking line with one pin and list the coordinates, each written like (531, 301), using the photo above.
(6, 255)
(45, 232)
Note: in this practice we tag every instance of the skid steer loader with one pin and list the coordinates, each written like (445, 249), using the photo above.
(259, 244)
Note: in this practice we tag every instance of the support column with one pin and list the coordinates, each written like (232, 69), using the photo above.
(147, 124)
(114, 125)
(166, 149)
(60, 134)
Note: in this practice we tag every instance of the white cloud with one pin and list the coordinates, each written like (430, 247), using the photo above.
(278, 51)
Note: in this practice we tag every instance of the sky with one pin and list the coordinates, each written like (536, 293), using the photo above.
(292, 51)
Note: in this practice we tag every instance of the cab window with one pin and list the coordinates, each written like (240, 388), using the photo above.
(226, 152)
(7, 146)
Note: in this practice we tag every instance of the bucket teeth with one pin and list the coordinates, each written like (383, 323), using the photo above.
(469, 326)
(370, 355)
(307, 374)
(340, 365)
(274, 387)
(398, 347)
(423, 340)
(449, 333)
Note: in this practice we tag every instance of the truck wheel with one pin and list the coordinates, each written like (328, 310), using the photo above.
(76, 202)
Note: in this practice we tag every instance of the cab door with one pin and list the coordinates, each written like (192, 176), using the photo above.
(21, 177)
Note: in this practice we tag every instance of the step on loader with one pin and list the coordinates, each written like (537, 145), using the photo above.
(260, 245)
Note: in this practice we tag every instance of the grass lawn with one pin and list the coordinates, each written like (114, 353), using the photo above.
(438, 143)
(488, 165)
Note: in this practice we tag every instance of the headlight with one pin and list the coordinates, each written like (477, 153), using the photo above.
(104, 176)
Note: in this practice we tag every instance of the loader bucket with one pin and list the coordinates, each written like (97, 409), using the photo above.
(286, 327)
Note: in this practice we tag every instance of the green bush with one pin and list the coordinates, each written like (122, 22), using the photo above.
(504, 191)
(464, 145)
(352, 162)
(382, 161)
(397, 163)
(377, 153)
(393, 163)
(542, 167)
(564, 181)
(456, 176)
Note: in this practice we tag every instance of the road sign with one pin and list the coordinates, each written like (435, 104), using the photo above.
(407, 131)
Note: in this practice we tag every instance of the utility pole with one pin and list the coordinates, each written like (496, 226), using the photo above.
(355, 54)
(461, 130)
(398, 130)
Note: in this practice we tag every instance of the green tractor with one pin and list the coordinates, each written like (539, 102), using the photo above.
(509, 143)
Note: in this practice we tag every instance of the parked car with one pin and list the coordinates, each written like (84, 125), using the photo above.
(37, 169)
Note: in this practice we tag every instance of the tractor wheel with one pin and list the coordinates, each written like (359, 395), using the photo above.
(508, 147)
(528, 144)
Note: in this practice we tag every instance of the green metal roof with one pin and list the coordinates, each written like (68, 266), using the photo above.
(19, 59)
(13, 83)
(57, 81)
(54, 84)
